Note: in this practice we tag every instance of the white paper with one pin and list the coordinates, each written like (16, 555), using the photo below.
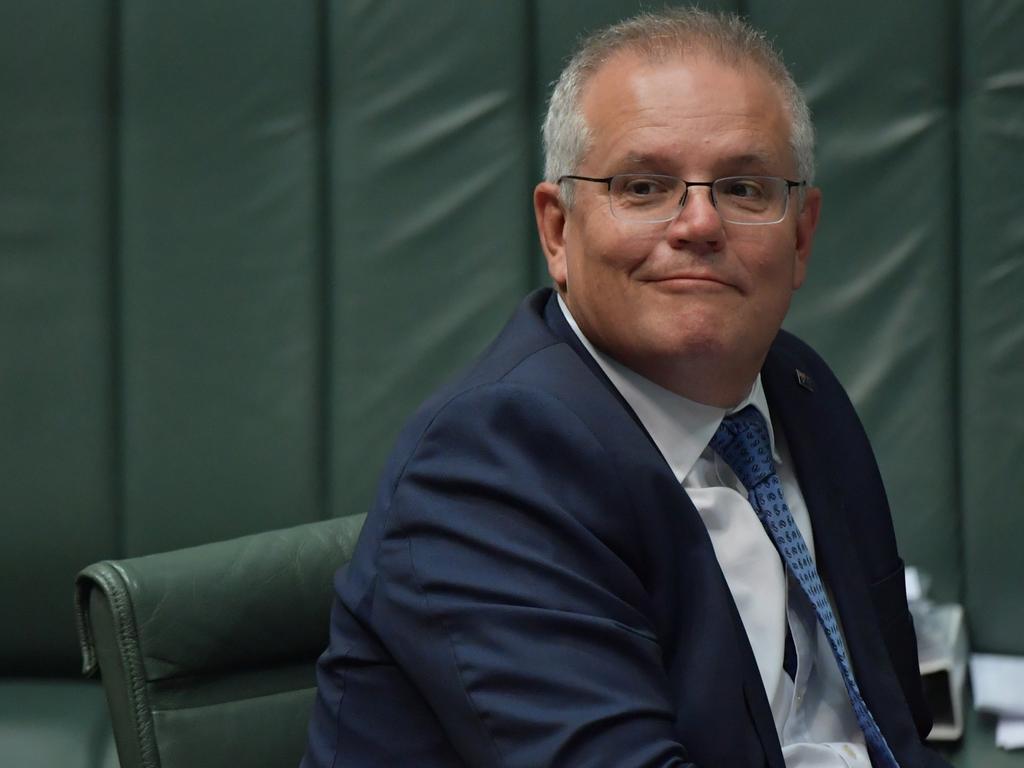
(998, 684)
(942, 649)
(912, 579)
(1010, 732)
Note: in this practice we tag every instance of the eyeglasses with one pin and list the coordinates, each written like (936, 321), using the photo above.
(652, 198)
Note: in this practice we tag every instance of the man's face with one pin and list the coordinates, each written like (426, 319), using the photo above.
(666, 299)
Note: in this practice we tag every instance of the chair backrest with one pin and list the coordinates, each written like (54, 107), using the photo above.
(207, 653)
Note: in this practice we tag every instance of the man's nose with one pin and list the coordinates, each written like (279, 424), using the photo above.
(697, 221)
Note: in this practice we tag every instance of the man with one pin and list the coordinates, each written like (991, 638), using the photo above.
(645, 528)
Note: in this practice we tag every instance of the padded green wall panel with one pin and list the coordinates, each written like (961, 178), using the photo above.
(49, 723)
(220, 254)
(56, 470)
(429, 198)
(992, 351)
(880, 301)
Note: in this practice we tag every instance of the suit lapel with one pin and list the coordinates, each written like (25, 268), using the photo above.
(556, 321)
(795, 409)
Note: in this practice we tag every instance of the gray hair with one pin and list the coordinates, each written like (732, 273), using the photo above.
(657, 37)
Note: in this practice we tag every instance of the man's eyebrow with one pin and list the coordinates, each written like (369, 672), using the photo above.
(647, 159)
(756, 158)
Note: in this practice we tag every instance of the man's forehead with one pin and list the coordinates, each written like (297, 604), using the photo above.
(642, 63)
(630, 87)
(634, 107)
(749, 157)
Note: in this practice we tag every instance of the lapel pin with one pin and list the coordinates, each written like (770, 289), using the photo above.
(804, 380)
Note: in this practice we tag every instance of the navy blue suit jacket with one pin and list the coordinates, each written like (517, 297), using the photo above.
(534, 588)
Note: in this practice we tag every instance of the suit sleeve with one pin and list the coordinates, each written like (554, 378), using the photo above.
(504, 593)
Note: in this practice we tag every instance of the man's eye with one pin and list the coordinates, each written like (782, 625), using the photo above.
(644, 188)
(747, 189)
(640, 188)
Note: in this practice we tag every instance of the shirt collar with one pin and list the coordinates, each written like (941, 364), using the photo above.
(680, 428)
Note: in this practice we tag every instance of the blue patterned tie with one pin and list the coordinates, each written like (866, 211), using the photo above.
(742, 441)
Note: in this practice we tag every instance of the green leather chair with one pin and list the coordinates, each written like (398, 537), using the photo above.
(207, 653)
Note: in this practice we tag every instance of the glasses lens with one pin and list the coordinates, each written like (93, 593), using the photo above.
(751, 199)
(645, 197)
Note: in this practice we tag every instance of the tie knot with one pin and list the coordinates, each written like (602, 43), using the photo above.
(743, 443)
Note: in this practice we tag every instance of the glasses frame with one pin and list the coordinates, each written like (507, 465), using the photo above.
(790, 185)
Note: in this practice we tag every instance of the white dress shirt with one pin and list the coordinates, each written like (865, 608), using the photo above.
(813, 715)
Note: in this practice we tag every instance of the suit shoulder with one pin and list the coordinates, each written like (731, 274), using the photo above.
(520, 395)
(799, 351)
(523, 336)
(528, 356)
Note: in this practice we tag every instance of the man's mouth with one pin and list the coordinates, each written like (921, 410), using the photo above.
(693, 280)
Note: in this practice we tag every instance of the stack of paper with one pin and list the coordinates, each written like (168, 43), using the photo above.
(998, 685)
(942, 650)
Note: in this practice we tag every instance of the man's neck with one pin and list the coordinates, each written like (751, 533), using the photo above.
(698, 379)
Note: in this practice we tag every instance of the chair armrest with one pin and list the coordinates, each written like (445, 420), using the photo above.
(231, 628)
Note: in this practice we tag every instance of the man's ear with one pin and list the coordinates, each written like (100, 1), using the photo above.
(806, 224)
(550, 214)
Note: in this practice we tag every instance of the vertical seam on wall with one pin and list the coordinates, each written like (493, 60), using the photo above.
(955, 96)
(956, 64)
(533, 103)
(117, 373)
(322, 114)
